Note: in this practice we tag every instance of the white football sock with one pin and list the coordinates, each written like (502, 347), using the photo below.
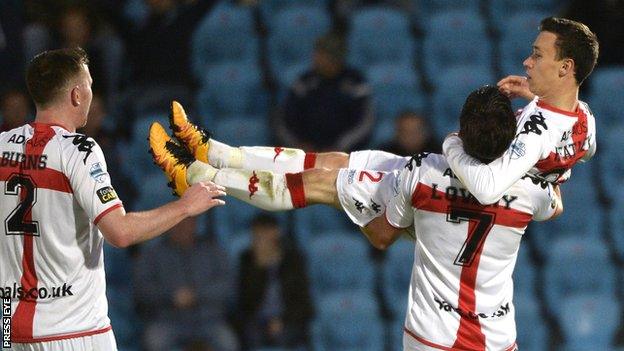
(263, 189)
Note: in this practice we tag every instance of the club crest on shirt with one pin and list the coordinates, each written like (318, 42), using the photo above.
(106, 194)
(97, 173)
(518, 149)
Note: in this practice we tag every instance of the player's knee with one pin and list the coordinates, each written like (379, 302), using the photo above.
(332, 160)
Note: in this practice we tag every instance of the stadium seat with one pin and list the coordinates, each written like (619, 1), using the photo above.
(444, 49)
(397, 273)
(589, 322)
(432, 7)
(140, 163)
(531, 328)
(339, 262)
(395, 88)
(348, 321)
(242, 131)
(451, 92)
(270, 8)
(581, 218)
(501, 9)
(226, 34)
(153, 192)
(616, 224)
(231, 89)
(380, 35)
(292, 36)
(318, 220)
(232, 221)
(577, 266)
(606, 97)
(517, 34)
(524, 276)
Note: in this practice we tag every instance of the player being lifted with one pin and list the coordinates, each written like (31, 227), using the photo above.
(461, 246)
(564, 54)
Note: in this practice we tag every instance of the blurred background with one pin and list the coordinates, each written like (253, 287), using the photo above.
(322, 75)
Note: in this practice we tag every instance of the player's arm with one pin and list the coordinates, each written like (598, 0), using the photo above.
(123, 229)
(489, 182)
(558, 202)
(380, 233)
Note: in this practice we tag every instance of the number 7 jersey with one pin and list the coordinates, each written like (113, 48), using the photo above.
(54, 188)
(461, 287)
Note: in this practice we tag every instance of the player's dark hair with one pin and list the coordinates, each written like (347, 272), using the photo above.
(574, 41)
(48, 73)
(487, 124)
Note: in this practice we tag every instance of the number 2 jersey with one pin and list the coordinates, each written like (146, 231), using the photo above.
(461, 287)
(54, 188)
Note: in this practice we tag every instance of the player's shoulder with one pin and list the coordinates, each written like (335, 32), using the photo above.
(424, 164)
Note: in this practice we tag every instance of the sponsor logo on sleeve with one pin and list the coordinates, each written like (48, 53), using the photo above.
(106, 194)
(518, 149)
(97, 173)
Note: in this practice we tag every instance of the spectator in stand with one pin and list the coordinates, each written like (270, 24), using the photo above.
(15, 109)
(329, 106)
(183, 284)
(274, 299)
(159, 54)
(413, 135)
(11, 43)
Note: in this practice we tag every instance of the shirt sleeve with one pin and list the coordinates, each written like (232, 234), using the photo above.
(399, 211)
(86, 169)
(591, 140)
(543, 198)
(488, 182)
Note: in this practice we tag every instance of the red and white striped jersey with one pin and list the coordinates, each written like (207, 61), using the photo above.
(54, 188)
(461, 287)
(549, 141)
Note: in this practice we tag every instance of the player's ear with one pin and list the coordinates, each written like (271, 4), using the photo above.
(75, 96)
(567, 67)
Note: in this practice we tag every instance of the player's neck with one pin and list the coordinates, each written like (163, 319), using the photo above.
(563, 99)
(55, 117)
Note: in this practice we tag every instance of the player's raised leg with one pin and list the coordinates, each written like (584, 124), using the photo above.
(220, 155)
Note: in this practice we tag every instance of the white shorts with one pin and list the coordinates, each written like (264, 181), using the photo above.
(376, 160)
(98, 342)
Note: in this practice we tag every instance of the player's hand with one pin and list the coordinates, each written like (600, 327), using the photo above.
(515, 86)
(201, 197)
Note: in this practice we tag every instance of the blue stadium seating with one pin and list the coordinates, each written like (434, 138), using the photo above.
(140, 163)
(242, 131)
(232, 220)
(153, 192)
(316, 221)
(576, 266)
(395, 88)
(231, 89)
(616, 224)
(531, 327)
(348, 321)
(339, 262)
(451, 92)
(270, 8)
(500, 10)
(396, 273)
(380, 36)
(590, 321)
(445, 48)
(581, 217)
(227, 34)
(516, 39)
(606, 97)
(525, 273)
(292, 36)
(433, 7)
